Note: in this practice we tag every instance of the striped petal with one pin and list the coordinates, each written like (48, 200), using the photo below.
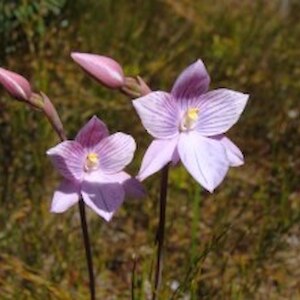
(219, 110)
(92, 133)
(159, 153)
(103, 194)
(204, 158)
(159, 114)
(192, 82)
(115, 152)
(234, 154)
(68, 157)
(66, 195)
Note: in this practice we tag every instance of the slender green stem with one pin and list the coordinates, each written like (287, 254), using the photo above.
(161, 231)
(87, 247)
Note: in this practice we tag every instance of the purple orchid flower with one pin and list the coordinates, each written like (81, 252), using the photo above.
(92, 167)
(188, 124)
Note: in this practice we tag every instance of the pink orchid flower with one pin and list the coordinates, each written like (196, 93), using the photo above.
(92, 167)
(188, 124)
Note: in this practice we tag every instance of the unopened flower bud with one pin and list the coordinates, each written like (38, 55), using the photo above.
(16, 85)
(104, 69)
(53, 117)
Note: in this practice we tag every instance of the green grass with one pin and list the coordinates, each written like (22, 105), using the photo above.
(242, 242)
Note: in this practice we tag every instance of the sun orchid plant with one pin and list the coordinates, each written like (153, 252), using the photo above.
(188, 124)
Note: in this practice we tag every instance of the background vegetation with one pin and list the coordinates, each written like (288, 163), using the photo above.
(242, 242)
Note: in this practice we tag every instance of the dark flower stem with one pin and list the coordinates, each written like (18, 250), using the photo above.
(133, 279)
(161, 231)
(87, 247)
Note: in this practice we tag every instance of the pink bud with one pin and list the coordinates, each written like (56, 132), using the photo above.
(104, 69)
(16, 85)
(53, 117)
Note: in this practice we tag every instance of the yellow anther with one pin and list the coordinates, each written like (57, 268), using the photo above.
(92, 161)
(93, 158)
(192, 113)
(189, 119)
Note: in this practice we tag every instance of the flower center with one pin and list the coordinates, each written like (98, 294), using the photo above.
(91, 162)
(189, 119)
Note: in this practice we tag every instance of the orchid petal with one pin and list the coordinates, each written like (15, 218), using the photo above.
(159, 114)
(204, 158)
(133, 188)
(192, 82)
(66, 195)
(103, 194)
(219, 110)
(234, 154)
(175, 157)
(159, 153)
(115, 152)
(92, 133)
(68, 157)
